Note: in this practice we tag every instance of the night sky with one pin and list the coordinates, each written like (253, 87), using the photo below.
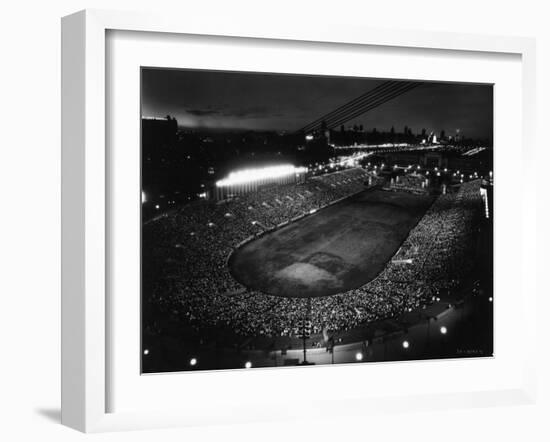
(283, 102)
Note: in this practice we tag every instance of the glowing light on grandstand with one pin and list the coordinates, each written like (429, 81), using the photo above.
(248, 364)
(247, 176)
(312, 211)
(157, 207)
(145, 352)
(193, 362)
(309, 137)
(359, 356)
(405, 344)
(491, 299)
(443, 330)
(143, 197)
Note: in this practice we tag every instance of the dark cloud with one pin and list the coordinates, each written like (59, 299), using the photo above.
(252, 112)
(202, 112)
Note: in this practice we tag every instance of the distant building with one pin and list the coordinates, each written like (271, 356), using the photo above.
(157, 132)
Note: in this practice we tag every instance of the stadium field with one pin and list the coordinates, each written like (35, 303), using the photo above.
(339, 248)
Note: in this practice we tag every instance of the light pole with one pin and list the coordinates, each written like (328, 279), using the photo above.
(306, 329)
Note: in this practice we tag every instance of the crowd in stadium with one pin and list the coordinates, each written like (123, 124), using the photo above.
(191, 247)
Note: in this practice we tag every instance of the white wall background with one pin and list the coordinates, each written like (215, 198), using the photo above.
(30, 215)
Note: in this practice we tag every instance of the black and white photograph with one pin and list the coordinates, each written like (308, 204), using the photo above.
(300, 220)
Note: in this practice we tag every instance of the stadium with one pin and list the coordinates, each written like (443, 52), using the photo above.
(320, 260)
(322, 245)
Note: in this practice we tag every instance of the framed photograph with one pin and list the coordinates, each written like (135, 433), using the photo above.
(267, 221)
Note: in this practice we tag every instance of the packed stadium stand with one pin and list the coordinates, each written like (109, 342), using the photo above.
(187, 251)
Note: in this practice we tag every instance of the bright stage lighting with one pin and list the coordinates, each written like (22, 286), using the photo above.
(264, 173)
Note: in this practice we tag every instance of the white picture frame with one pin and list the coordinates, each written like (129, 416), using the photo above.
(85, 307)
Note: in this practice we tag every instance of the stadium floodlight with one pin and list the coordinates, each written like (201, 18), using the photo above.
(248, 364)
(251, 175)
(157, 207)
(490, 299)
(358, 356)
(405, 344)
(443, 330)
(193, 362)
(146, 352)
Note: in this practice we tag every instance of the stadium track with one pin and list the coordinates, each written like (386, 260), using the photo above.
(341, 247)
